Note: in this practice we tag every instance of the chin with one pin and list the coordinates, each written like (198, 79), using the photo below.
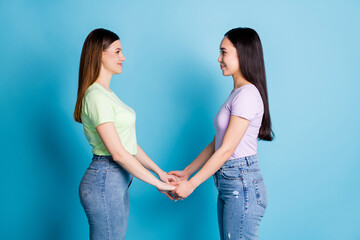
(225, 74)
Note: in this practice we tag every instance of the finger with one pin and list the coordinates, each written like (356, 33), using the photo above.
(173, 178)
(178, 198)
(167, 193)
(176, 173)
(174, 183)
(169, 196)
(174, 193)
(170, 188)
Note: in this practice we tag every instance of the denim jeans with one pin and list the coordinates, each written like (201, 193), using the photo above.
(104, 196)
(242, 198)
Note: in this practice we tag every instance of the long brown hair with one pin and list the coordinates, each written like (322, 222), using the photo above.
(90, 62)
(250, 53)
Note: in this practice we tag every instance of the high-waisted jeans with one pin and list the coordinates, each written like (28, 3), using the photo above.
(105, 198)
(242, 198)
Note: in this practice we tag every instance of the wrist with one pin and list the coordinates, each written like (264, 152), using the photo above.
(187, 172)
(195, 183)
(160, 172)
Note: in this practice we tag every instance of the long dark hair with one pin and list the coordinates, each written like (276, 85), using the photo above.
(90, 62)
(248, 45)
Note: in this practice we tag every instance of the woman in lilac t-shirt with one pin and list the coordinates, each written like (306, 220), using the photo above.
(232, 156)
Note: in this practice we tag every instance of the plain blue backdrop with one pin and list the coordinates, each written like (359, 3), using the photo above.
(173, 81)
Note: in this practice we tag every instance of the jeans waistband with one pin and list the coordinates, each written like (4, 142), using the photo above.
(248, 160)
(102, 158)
(104, 162)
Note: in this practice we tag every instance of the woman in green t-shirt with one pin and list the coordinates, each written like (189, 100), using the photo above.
(109, 126)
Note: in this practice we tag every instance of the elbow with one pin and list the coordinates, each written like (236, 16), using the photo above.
(226, 152)
(119, 156)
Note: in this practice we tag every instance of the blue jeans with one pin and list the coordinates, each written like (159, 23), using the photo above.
(242, 198)
(104, 196)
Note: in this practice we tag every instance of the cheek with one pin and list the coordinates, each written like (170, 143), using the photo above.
(109, 63)
(233, 63)
(111, 60)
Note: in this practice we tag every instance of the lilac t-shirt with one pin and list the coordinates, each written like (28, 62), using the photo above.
(245, 102)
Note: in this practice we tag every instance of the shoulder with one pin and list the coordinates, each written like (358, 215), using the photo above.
(93, 94)
(246, 102)
(250, 89)
(247, 92)
(95, 100)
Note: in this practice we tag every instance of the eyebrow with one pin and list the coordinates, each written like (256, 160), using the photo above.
(118, 49)
(222, 48)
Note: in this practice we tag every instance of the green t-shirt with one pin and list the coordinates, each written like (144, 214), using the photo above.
(99, 106)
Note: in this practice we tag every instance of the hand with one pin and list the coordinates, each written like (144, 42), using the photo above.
(165, 189)
(168, 194)
(183, 189)
(182, 175)
(166, 178)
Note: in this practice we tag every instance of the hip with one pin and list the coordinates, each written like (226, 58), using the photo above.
(243, 177)
(104, 173)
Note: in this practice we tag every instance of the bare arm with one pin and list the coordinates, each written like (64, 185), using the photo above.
(234, 133)
(144, 159)
(197, 163)
(112, 142)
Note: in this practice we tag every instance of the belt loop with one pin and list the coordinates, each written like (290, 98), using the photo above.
(247, 161)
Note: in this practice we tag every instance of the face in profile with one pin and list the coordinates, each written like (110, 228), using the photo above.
(112, 58)
(228, 59)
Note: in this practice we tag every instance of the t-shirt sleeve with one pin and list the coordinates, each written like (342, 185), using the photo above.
(98, 108)
(244, 105)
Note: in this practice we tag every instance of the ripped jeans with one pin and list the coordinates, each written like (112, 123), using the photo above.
(242, 198)
(104, 196)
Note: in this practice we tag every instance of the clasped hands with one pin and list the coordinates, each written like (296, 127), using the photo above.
(179, 179)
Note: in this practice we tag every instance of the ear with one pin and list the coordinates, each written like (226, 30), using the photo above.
(102, 59)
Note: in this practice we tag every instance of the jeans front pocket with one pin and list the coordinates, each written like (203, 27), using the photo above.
(231, 173)
(260, 191)
(87, 182)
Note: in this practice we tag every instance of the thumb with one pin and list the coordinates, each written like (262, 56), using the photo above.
(174, 183)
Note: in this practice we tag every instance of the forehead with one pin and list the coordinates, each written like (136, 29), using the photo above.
(116, 44)
(225, 43)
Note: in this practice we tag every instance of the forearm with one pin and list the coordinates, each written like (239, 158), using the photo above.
(211, 166)
(145, 160)
(133, 166)
(201, 159)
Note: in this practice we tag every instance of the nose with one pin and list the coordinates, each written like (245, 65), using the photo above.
(220, 59)
(122, 57)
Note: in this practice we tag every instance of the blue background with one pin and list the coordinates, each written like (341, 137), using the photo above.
(172, 79)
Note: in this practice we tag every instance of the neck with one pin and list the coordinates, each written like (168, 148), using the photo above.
(104, 78)
(239, 81)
